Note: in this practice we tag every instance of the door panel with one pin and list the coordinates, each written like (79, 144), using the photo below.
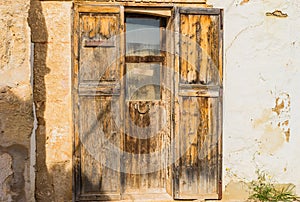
(147, 110)
(98, 131)
(98, 69)
(145, 142)
(100, 46)
(198, 108)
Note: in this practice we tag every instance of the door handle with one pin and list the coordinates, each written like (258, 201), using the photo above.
(137, 107)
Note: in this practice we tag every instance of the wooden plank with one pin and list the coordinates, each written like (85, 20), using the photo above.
(199, 11)
(76, 142)
(99, 9)
(199, 92)
(213, 76)
(99, 43)
(221, 47)
(97, 133)
(131, 146)
(142, 140)
(176, 106)
(168, 96)
(99, 197)
(200, 59)
(161, 12)
(193, 70)
(92, 89)
(99, 63)
(184, 46)
(148, 58)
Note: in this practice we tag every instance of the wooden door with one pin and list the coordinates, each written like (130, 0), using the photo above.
(97, 72)
(147, 111)
(198, 108)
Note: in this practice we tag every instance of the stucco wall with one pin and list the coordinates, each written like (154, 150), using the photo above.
(261, 95)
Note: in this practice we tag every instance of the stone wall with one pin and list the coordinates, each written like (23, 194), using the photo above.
(50, 24)
(16, 114)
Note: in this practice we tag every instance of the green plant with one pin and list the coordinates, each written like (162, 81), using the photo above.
(263, 189)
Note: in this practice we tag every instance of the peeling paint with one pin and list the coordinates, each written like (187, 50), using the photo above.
(277, 13)
(275, 124)
(244, 1)
(282, 109)
(287, 134)
(271, 140)
(279, 106)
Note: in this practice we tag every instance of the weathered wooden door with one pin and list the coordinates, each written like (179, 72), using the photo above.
(147, 103)
(198, 108)
(97, 72)
(147, 109)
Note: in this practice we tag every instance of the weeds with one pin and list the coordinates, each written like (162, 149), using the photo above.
(263, 189)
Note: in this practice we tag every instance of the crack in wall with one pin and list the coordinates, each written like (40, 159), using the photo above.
(238, 35)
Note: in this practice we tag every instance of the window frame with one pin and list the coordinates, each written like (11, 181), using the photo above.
(156, 59)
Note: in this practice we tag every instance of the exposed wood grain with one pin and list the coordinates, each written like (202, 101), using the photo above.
(197, 11)
(96, 89)
(98, 9)
(98, 131)
(200, 58)
(98, 63)
(148, 58)
(99, 43)
(76, 145)
(95, 74)
(186, 116)
(143, 139)
(197, 114)
(161, 12)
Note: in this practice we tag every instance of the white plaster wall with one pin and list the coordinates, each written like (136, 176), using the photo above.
(262, 63)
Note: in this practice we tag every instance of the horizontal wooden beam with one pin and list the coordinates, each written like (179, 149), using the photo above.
(163, 12)
(199, 90)
(92, 89)
(148, 58)
(90, 8)
(203, 11)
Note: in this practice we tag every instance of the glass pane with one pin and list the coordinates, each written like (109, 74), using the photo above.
(143, 81)
(142, 36)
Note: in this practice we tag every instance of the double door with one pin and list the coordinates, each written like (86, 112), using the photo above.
(147, 103)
